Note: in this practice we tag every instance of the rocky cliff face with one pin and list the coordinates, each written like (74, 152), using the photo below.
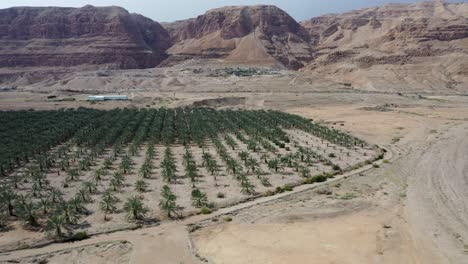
(31, 36)
(246, 34)
(414, 44)
(423, 44)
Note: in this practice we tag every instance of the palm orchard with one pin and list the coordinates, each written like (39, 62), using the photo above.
(60, 167)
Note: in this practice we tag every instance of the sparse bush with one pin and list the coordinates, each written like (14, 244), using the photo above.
(287, 188)
(317, 178)
(348, 196)
(205, 210)
(335, 167)
(82, 235)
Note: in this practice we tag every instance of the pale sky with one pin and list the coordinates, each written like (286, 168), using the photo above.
(171, 10)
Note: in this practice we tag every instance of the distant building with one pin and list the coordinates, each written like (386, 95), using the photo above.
(107, 97)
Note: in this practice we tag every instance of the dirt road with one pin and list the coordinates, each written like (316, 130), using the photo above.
(437, 204)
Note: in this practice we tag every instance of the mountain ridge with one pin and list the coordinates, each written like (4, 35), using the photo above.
(401, 42)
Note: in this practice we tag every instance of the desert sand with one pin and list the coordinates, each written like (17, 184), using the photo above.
(411, 209)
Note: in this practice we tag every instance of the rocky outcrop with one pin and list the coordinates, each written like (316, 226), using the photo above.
(393, 46)
(243, 34)
(391, 29)
(53, 36)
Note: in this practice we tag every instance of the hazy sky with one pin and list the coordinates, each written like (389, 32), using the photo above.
(171, 10)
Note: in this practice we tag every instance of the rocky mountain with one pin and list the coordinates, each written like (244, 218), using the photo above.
(52, 36)
(245, 34)
(396, 45)
(423, 45)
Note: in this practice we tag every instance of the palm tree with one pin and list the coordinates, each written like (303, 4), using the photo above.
(265, 182)
(135, 208)
(55, 195)
(55, 224)
(297, 166)
(206, 156)
(84, 195)
(288, 159)
(275, 165)
(150, 152)
(133, 149)
(141, 186)
(98, 174)
(302, 153)
(45, 203)
(64, 164)
(212, 166)
(308, 157)
(84, 164)
(77, 205)
(191, 171)
(169, 170)
(90, 187)
(233, 166)
(108, 163)
(7, 198)
(107, 203)
(3, 222)
(36, 189)
(252, 164)
(16, 180)
(252, 145)
(199, 198)
(27, 210)
(168, 201)
(73, 174)
(67, 211)
(265, 158)
(126, 164)
(117, 180)
(244, 155)
(146, 170)
(37, 175)
(188, 157)
(247, 187)
(304, 171)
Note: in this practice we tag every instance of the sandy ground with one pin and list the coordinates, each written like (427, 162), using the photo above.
(410, 210)
(108, 252)
(223, 182)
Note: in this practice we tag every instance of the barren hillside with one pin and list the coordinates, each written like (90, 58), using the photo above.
(419, 47)
(423, 45)
(255, 34)
(105, 36)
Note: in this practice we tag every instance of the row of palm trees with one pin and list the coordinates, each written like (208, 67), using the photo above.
(38, 132)
(95, 132)
(26, 134)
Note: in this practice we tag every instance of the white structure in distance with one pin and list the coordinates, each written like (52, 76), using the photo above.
(109, 97)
